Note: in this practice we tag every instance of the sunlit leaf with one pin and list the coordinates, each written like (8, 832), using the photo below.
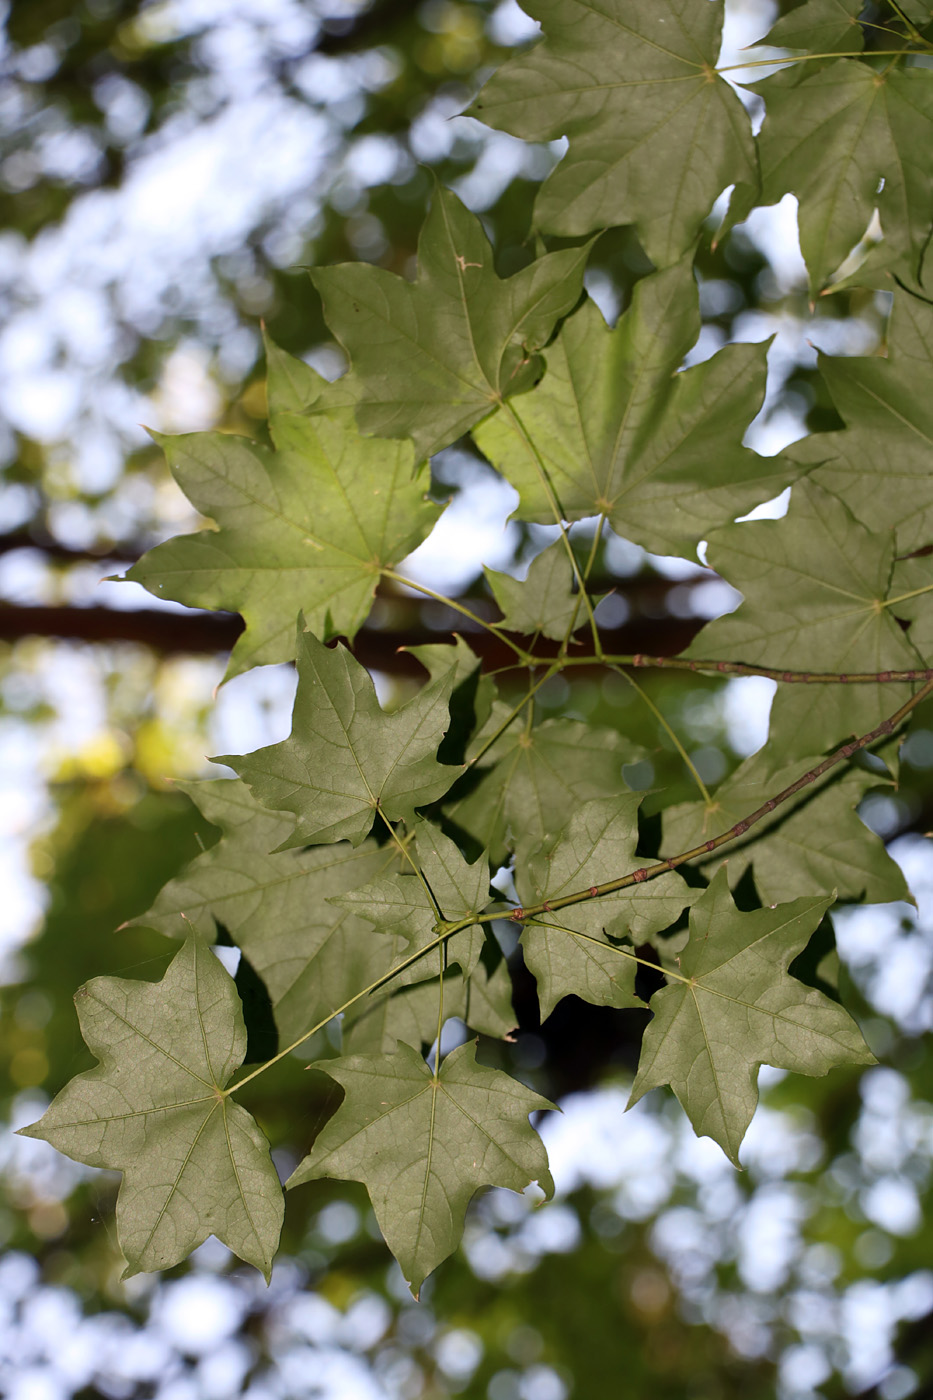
(544, 601)
(655, 134)
(305, 528)
(613, 429)
(434, 356)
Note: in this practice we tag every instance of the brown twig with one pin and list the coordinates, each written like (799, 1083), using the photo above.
(650, 872)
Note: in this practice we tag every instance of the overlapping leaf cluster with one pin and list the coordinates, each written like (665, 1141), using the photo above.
(342, 873)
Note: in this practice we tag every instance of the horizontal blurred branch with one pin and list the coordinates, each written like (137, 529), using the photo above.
(377, 647)
(63, 553)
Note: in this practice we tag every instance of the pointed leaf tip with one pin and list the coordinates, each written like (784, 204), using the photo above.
(194, 1162)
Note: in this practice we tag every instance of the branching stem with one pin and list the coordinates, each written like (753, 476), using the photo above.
(740, 668)
(493, 627)
(447, 930)
(650, 872)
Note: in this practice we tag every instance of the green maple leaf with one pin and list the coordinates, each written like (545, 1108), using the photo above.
(484, 1002)
(655, 134)
(846, 140)
(275, 905)
(618, 432)
(292, 386)
(422, 1146)
(911, 585)
(346, 758)
(544, 601)
(733, 1007)
(531, 777)
(920, 11)
(816, 585)
(408, 905)
(194, 1163)
(567, 951)
(814, 842)
(824, 26)
(305, 528)
(434, 356)
(880, 464)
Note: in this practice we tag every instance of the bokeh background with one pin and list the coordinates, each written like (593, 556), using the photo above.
(167, 172)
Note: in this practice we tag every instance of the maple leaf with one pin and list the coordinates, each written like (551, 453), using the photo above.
(528, 776)
(483, 1001)
(422, 1146)
(346, 758)
(732, 1007)
(880, 463)
(816, 586)
(544, 601)
(846, 140)
(655, 133)
(911, 585)
(434, 356)
(445, 888)
(825, 26)
(613, 429)
(194, 1162)
(305, 528)
(275, 905)
(814, 843)
(567, 951)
